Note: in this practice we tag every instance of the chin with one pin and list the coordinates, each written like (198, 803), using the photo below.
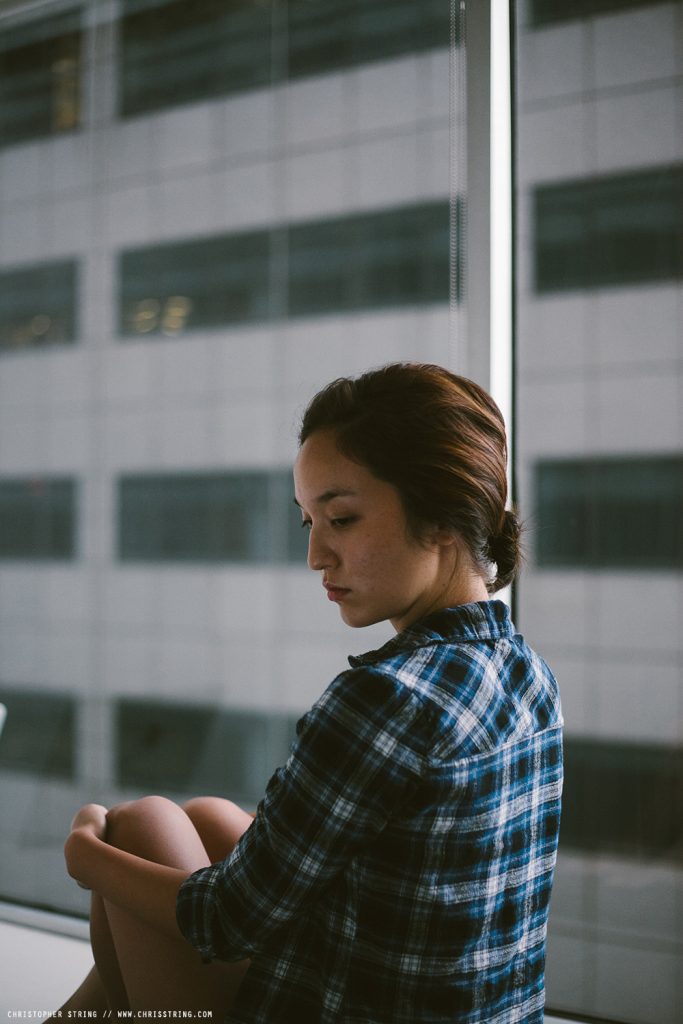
(359, 619)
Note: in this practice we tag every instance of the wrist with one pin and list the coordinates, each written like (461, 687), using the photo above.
(79, 841)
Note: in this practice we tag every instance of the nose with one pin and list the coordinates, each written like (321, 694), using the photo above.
(320, 554)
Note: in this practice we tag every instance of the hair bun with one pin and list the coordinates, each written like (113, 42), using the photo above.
(505, 550)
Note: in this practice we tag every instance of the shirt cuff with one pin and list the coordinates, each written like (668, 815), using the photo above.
(195, 912)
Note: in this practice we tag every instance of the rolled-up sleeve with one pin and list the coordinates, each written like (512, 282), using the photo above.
(358, 753)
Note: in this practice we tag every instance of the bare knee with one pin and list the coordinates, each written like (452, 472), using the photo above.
(219, 822)
(203, 807)
(133, 825)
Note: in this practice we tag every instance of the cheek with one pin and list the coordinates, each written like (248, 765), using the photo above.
(383, 562)
(367, 560)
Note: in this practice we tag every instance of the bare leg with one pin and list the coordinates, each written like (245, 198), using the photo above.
(106, 960)
(103, 987)
(219, 824)
(88, 996)
(161, 972)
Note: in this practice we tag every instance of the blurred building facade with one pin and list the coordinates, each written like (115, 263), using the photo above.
(600, 462)
(207, 210)
(213, 210)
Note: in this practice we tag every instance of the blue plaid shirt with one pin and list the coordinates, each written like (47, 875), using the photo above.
(399, 867)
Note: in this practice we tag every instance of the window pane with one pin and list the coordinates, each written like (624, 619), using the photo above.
(332, 34)
(40, 69)
(190, 50)
(397, 257)
(623, 798)
(191, 748)
(233, 517)
(168, 289)
(39, 737)
(37, 518)
(38, 305)
(609, 230)
(391, 258)
(620, 513)
(545, 12)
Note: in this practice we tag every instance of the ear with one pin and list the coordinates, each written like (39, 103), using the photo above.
(443, 537)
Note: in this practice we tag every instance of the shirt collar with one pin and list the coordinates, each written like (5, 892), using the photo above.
(481, 620)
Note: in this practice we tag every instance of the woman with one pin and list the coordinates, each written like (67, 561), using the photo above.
(399, 866)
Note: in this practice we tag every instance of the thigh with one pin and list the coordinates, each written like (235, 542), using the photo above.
(161, 972)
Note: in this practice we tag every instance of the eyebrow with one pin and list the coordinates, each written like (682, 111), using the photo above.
(329, 495)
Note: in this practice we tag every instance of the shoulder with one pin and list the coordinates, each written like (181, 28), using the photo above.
(475, 694)
(369, 691)
(368, 707)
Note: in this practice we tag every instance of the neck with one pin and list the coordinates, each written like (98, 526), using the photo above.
(458, 591)
(462, 592)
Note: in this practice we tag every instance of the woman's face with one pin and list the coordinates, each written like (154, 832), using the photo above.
(359, 541)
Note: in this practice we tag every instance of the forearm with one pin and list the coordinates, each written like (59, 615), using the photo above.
(141, 887)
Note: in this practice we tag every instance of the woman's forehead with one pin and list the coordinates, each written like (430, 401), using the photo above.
(322, 472)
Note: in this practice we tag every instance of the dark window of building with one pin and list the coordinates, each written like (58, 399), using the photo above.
(40, 64)
(39, 737)
(332, 34)
(191, 748)
(38, 305)
(623, 798)
(616, 230)
(210, 517)
(203, 283)
(547, 12)
(610, 513)
(388, 258)
(391, 258)
(37, 518)
(190, 50)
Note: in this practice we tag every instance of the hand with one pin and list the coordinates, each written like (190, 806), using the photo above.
(94, 818)
(91, 818)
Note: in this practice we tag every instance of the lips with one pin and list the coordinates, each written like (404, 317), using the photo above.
(335, 593)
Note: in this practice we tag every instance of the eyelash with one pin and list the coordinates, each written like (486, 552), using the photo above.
(340, 522)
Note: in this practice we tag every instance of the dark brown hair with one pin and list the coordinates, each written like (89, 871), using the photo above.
(440, 440)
